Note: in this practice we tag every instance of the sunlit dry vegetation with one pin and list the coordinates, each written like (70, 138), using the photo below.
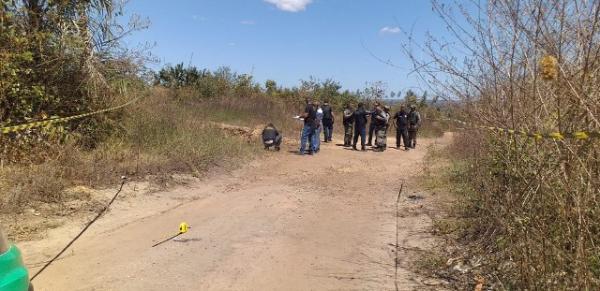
(532, 205)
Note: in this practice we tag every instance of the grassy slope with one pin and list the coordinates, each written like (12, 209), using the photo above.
(165, 133)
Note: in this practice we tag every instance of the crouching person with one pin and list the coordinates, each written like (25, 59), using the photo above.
(271, 137)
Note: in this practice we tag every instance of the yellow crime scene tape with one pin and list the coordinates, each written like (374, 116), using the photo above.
(43, 123)
(577, 135)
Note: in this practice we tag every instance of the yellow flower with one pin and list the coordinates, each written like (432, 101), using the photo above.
(548, 65)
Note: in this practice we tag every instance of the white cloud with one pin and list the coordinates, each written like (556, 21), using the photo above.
(390, 30)
(290, 5)
(199, 18)
(248, 22)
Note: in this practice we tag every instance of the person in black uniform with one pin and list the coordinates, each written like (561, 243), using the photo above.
(360, 126)
(401, 121)
(328, 120)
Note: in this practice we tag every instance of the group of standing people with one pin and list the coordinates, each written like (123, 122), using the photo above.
(355, 125)
(319, 119)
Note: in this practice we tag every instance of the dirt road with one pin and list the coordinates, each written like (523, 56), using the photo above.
(286, 222)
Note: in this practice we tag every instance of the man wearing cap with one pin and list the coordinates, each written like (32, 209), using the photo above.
(414, 122)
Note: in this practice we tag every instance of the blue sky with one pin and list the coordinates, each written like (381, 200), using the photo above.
(289, 40)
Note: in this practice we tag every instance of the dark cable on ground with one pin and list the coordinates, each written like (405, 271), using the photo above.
(82, 231)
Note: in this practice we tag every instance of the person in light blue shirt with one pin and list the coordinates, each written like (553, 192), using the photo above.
(317, 138)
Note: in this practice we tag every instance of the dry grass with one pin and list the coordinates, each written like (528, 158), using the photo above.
(446, 171)
(167, 132)
(442, 176)
(533, 207)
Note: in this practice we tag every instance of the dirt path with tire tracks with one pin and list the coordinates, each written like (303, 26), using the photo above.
(285, 222)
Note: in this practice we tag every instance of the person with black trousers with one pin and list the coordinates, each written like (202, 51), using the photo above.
(360, 126)
(401, 121)
(372, 124)
(328, 121)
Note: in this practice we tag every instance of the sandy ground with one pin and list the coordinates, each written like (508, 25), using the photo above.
(285, 222)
